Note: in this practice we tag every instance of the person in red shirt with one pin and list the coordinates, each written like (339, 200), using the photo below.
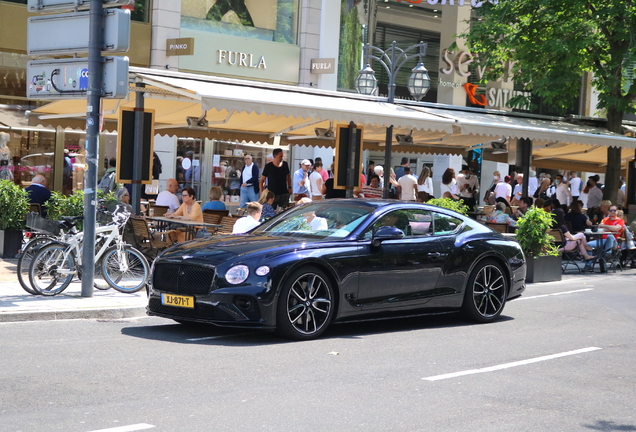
(613, 224)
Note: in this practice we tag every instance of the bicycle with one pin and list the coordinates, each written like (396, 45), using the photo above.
(41, 233)
(124, 268)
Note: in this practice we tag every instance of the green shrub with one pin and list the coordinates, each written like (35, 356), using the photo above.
(450, 204)
(532, 233)
(14, 205)
(73, 205)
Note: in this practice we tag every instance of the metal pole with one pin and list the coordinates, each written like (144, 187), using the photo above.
(352, 158)
(391, 88)
(387, 161)
(93, 108)
(138, 151)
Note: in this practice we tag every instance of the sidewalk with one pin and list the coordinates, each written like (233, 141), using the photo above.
(18, 305)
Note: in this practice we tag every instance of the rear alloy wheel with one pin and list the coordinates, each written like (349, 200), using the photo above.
(306, 305)
(486, 291)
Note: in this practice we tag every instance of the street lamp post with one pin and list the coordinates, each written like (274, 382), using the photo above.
(392, 60)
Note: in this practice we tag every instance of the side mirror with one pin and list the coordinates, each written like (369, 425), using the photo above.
(386, 233)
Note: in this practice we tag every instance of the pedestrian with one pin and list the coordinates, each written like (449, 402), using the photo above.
(301, 184)
(278, 178)
(425, 185)
(468, 187)
(449, 184)
(575, 185)
(316, 182)
(503, 189)
(407, 185)
(250, 186)
(400, 171)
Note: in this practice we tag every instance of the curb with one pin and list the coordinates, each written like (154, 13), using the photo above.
(66, 314)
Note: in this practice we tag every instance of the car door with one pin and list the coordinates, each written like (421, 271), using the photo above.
(400, 273)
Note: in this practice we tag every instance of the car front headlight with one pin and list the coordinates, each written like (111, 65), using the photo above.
(237, 274)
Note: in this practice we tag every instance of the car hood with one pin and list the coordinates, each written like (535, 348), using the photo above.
(218, 249)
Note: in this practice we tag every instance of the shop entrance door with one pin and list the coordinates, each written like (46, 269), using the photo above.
(188, 171)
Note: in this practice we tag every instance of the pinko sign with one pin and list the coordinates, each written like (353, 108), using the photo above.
(473, 3)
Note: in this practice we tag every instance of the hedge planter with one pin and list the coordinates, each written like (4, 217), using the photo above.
(543, 269)
(10, 243)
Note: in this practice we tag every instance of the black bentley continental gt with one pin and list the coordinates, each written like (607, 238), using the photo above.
(340, 260)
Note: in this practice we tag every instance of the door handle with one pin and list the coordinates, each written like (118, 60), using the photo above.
(434, 254)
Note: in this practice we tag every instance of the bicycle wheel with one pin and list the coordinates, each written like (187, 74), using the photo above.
(24, 262)
(99, 280)
(52, 270)
(125, 270)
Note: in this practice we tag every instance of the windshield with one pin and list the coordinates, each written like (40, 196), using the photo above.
(322, 220)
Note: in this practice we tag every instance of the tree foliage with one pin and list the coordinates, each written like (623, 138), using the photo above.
(552, 43)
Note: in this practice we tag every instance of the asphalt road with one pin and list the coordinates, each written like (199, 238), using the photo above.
(561, 359)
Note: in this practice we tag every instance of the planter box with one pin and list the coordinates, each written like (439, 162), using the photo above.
(543, 269)
(10, 243)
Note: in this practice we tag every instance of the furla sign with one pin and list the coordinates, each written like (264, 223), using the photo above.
(239, 59)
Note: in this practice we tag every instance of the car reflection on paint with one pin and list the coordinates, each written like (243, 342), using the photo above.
(340, 260)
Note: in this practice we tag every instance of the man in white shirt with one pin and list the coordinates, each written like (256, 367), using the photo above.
(503, 189)
(533, 183)
(168, 197)
(595, 195)
(408, 185)
(518, 191)
(250, 221)
(468, 186)
(249, 182)
(575, 186)
(562, 191)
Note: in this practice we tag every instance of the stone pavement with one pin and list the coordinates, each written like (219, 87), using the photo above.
(18, 305)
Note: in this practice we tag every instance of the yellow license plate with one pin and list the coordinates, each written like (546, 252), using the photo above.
(177, 300)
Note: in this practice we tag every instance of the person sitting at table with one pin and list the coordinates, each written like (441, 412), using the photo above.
(578, 221)
(524, 204)
(499, 215)
(267, 200)
(189, 210)
(572, 241)
(507, 209)
(123, 200)
(615, 225)
(249, 221)
(168, 197)
(215, 202)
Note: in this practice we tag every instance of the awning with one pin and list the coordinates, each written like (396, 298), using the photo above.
(537, 130)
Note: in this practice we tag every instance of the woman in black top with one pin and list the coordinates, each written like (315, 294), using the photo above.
(578, 221)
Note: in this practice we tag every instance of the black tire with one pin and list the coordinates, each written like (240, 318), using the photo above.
(99, 281)
(51, 271)
(24, 262)
(306, 305)
(486, 292)
(134, 274)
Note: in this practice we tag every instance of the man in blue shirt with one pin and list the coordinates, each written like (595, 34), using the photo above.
(38, 193)
(400, 171)
(300, 182)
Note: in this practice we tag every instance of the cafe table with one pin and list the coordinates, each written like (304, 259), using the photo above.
(189, 225)
(601, 255)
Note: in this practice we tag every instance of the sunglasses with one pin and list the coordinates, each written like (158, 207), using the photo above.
(185, 195)
(612, 211)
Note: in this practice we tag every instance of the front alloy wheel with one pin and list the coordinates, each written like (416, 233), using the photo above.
(486, 290)
(305, 306)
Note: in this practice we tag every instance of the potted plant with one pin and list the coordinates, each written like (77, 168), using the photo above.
(542, 256)
(14, 205)
(450, 204)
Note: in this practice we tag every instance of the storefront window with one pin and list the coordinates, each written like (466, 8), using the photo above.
(270, 20)
(228, 164)
(188, 167)
(74, 162)
(25, 155)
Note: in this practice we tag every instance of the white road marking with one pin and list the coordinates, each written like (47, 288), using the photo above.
(218, 337)
(554, 294)
(129, 428)
(510, 365)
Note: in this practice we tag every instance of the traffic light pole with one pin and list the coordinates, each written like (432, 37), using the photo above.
(93, 111)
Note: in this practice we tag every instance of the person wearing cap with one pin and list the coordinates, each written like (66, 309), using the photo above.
(301, 182)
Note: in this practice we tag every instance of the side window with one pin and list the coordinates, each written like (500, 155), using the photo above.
(414, 223)
(445, 224)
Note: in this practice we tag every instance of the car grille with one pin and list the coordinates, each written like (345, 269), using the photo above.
(183, 279)
(201, 311)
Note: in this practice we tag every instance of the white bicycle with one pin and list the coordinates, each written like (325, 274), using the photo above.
(123, 267)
